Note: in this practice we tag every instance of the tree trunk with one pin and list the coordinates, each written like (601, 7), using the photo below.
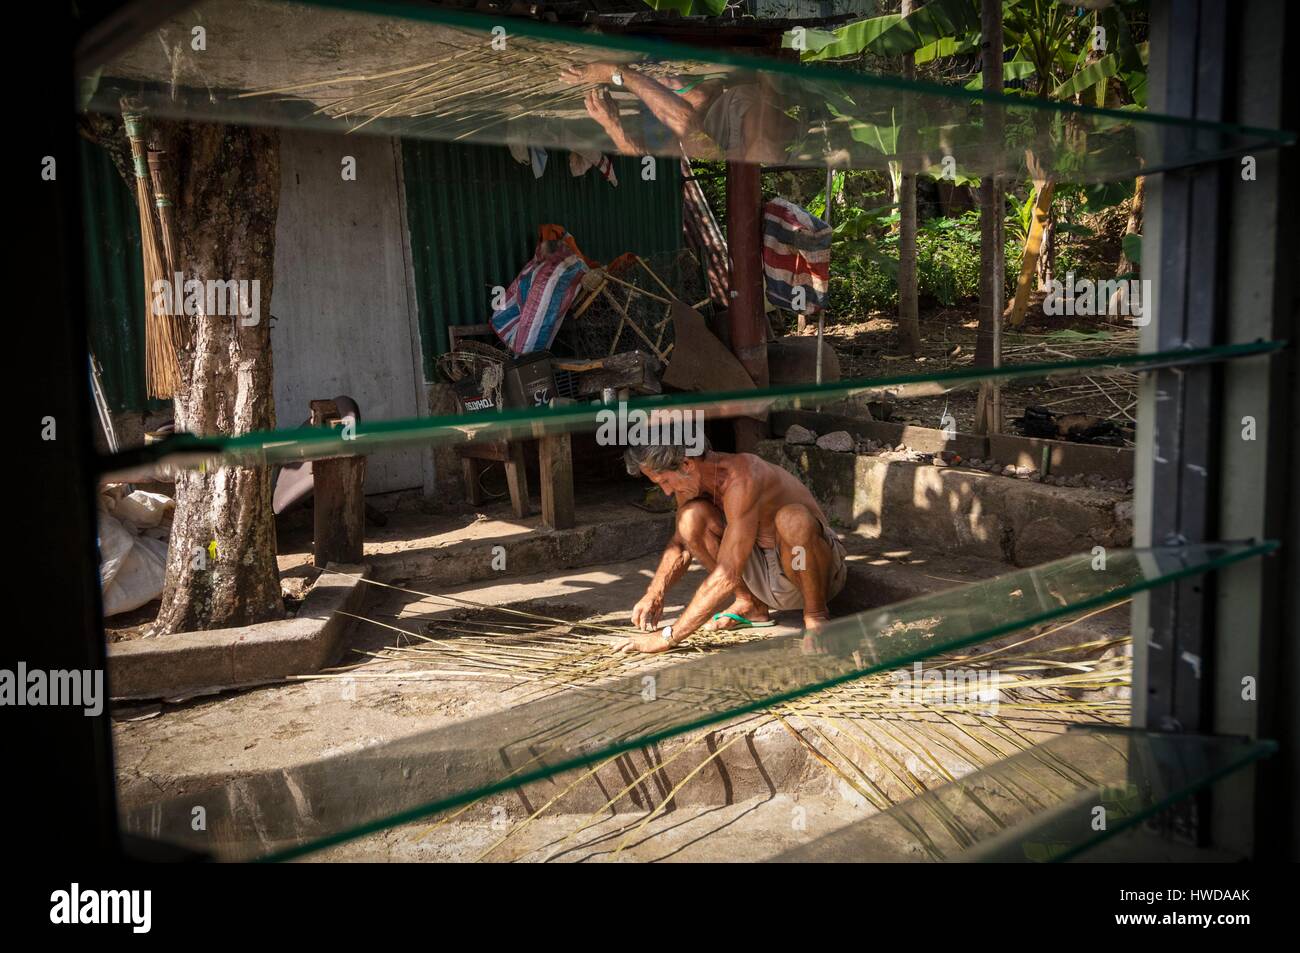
(221, 565)
(1046, 265)
(1133, 227)
(909, 322)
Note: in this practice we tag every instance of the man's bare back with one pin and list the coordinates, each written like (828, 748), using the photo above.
(764, 487)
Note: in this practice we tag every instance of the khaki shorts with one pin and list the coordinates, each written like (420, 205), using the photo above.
(766, 579)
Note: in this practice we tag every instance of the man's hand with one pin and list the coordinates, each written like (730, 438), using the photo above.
(648, 644)
(588, 73)
(646, 613)
(602, 108)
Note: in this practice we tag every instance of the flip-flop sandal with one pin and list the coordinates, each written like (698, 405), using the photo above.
(743, 622)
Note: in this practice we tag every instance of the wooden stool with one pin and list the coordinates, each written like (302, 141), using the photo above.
(338, 499)
(509, 452)
(556, 470)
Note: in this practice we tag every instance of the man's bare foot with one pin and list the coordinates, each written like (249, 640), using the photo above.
(748, 608)
(811, 624)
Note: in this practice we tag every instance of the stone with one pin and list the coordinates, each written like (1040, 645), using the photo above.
(840, 441)
(800, 435)
(1009, 470)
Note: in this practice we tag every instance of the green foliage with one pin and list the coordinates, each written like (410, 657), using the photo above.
(864, 273)
(690, 8)
(1050, 42)
(925, 30)
(1103, 195)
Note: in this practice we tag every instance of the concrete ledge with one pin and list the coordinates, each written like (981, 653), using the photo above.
(197, 663)
(924, 439)
(1065, 458)
(953, 509)
(547, 551)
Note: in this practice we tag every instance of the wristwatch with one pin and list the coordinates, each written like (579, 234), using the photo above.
(616, 78)
(668, 635)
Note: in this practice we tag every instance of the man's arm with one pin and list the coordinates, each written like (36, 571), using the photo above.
(672, 566)
(681, 114)
(740, 507)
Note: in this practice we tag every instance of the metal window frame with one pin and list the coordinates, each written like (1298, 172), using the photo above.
(1218, 253)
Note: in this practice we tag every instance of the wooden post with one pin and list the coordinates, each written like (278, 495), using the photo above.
(988, 350)
(517, 478)
(556, 458)
(339, 506)
(745, 315)
(469, 471)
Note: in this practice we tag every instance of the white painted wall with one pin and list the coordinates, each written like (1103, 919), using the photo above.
(344, 295)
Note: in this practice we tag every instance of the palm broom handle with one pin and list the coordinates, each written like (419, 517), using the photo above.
(167, 224)
(162, 373)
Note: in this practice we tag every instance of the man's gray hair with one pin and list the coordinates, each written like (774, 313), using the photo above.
(661, 457)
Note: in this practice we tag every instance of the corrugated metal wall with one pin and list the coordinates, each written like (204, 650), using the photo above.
(474, 211)
(114, 280)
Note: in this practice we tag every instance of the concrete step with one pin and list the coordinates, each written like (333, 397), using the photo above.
(955, 510)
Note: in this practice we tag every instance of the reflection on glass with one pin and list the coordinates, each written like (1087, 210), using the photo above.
(292, 811)
(186, 451)
(429, 73)
(1050, 803)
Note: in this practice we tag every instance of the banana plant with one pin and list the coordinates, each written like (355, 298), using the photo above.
(690, 8)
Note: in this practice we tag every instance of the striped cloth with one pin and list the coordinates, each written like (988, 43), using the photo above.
(539, 297)
(796, 254)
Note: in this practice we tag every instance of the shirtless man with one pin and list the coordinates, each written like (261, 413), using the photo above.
(754, 527)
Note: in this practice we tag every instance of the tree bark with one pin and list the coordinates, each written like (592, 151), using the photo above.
(1133, 227)
(1046, 265)
(221, 559)
(909, 322)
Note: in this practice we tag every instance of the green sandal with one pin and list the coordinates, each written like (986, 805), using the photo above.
(744, 623)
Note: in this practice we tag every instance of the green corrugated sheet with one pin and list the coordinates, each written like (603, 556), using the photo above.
(114, 281)
(473, 213)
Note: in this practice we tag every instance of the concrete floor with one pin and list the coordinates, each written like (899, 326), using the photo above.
(748, 831)
(280, 753)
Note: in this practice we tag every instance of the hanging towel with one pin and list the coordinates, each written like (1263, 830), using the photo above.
(796, 254)
(580, 162)
(541, 295)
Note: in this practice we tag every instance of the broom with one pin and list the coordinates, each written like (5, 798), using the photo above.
(161, 335)
(182, 331)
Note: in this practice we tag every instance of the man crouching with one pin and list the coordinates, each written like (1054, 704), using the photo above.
(754, 527)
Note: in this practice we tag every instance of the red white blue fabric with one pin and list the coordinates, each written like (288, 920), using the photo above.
(796, 254)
